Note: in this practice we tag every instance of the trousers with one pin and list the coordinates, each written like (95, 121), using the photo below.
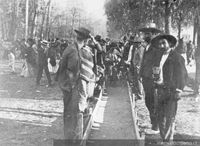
(75, 102)
(42, 67)
(149, 101)
(167, 109)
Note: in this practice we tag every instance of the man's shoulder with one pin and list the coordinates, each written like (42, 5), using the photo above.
(70, 49)
(177, 56)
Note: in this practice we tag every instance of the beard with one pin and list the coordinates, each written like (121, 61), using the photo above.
(148, 39)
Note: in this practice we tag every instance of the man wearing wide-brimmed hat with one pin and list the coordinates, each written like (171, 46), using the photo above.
(169, 75)
(146, 74)
(74, 75)
(42, 62)
(135, 58)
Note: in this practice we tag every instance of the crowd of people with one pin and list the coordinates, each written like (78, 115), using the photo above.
(153, 63)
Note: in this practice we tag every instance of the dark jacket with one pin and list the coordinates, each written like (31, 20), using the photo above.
(42, 57)
(69, 68)
(182, 47)
(174, 71)
(147, 62)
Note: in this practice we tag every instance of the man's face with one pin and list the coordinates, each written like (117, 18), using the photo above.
(88, 41)
(164, 45)
(147, 37)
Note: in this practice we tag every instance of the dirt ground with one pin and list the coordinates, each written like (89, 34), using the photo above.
(29, 115)
(32, 116)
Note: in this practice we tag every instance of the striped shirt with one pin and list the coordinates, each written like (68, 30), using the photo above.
(87, 64)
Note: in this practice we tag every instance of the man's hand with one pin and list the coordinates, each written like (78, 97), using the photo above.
(93, 39)
(127, 62)
(177, 96)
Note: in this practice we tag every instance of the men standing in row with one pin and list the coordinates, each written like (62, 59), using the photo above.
(74, 77)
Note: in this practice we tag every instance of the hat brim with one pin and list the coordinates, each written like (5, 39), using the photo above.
(82, 34)
(150, 30)
(171, 39)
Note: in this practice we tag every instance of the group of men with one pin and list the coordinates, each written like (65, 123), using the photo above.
(38, 55)
(157, 72)
(161, 75)
(77, 74)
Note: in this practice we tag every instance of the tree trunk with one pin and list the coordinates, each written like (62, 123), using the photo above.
(16, 22)
(26, 29)
(33, 22)
(2, 28)
(12, 28)
(179, 30)
(41, 30)
(195, 28)
(167, 17)
(47, 21)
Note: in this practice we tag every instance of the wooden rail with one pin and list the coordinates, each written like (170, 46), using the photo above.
(90, 122)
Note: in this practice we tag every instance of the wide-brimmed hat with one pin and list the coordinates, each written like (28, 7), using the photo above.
(170, 38)
(44, 42)
(149, 30)
(83, 32)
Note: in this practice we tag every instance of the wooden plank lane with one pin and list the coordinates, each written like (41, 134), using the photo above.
(114, 121)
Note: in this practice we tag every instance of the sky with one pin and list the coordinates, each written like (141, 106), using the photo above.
(96, 7)
(94, 10)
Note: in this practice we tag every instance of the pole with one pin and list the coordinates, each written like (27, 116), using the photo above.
(26, 27)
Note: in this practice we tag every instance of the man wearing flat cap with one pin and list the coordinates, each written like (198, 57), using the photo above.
(74, 75)
(146, 74)
(169, 75)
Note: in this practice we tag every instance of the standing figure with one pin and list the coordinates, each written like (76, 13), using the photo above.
(169, 75)
(190, 51)
(11, 58)
(182, 49)
(42, 63)
(30, 55)
(135, 58)
(146, 74)
(75, 74)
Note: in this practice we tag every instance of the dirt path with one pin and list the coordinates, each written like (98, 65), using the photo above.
(114, 119)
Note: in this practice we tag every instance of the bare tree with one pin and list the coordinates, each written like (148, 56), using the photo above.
(74, 14)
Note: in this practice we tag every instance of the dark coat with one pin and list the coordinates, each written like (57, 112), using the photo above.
(42, 57)
(69, 68)
(147, 62)
(174, 70)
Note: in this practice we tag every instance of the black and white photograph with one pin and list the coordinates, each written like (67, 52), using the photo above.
(99, 72)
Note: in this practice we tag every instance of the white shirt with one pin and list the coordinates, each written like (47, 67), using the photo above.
(147, 47)
(129, 55)
(162, 62)
(11, 58)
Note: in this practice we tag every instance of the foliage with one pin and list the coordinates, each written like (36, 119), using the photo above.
(131, 14)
